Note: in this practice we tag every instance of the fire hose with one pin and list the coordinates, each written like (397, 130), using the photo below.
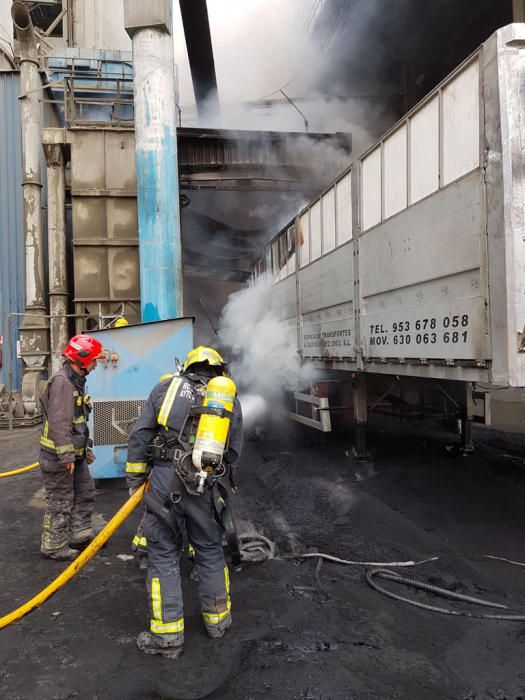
(82, 559)
(254, 547)
(14, 472)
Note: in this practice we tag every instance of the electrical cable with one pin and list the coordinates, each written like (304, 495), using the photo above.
(509, 561)
(77, 564)
(407, 563)
(256, 547)
(349, 562)
(13, 472)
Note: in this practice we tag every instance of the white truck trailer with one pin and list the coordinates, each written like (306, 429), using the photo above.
(408, 272)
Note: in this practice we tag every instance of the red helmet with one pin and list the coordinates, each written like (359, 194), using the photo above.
(83, 349)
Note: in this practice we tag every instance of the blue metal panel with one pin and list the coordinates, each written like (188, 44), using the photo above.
(144, 353)
(11, 221)
(103, 68)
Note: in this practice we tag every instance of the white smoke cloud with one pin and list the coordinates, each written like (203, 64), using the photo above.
(258, 45)
(281, 48)
(339, 495)
(362, 119)
(265, 359)
(254, 410)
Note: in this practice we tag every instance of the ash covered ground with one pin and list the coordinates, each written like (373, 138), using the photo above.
(295, 635)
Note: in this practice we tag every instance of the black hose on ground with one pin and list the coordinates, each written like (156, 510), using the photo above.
(371, 574)
(255, 547)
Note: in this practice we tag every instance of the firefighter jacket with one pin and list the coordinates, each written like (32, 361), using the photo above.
(164, 414)
(66, 408)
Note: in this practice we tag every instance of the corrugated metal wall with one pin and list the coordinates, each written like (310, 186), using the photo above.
(11, 219)
(106, 257)
(99, 24)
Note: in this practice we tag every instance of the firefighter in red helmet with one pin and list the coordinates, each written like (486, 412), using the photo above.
(65, 453)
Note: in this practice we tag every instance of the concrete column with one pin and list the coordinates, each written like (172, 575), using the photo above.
(56, 230)
(34, 342)
(149, 25)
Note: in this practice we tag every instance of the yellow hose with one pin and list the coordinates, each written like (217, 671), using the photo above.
(20, 471)
(82, 559)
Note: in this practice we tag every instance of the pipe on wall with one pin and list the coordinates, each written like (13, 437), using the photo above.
(34, 341)
(56, 242)
(149, 25)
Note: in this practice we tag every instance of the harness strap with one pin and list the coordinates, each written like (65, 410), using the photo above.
(211, 411)
(161, 511)
(164, 453)
(226, 519)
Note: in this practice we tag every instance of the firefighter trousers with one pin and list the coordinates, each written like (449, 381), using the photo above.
(69, 503)
(196, 514)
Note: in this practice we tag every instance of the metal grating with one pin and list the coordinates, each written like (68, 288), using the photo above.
(113, 421)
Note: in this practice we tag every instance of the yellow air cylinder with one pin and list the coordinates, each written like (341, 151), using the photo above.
(212, 431)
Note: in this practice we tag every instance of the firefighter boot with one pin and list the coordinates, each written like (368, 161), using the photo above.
(152, 644)
(62, 554)
(54, 544)
(219, 628)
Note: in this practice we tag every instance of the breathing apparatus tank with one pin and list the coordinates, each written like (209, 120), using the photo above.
(212, 429)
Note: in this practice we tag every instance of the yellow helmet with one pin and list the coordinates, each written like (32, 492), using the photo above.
(121, 321)
(203, 354)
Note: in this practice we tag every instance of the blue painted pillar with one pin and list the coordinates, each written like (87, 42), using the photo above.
(149, 25)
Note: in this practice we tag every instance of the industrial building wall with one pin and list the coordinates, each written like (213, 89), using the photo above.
(11, 220)
(99, 24)
(105, 240)
(6, 34)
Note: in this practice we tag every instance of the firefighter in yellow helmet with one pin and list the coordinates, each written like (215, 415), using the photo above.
(166, 441)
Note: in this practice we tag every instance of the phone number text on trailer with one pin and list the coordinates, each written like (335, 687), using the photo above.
(424, 331)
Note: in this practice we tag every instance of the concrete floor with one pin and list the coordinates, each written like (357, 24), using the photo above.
(291, 639)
